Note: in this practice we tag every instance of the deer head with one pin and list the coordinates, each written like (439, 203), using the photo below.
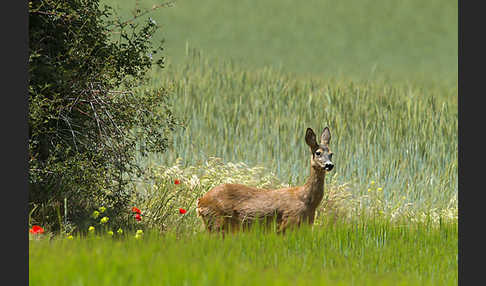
(321, 154)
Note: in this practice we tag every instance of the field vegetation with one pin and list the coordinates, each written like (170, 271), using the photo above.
(370, 252)
(401, 136)
(247, 79)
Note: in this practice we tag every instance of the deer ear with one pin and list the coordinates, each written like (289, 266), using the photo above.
(310, 139)
(326, 136)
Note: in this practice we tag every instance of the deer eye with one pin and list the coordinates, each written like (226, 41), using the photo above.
(318, 153)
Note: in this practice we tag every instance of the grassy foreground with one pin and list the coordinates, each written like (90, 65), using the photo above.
(371, 252)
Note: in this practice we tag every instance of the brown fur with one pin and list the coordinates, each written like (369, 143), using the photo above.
(234, 206)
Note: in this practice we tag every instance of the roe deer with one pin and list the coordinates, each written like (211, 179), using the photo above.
(231, 206)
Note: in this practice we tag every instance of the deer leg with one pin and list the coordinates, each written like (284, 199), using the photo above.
(311, 217)
(288, 222)
(234, 225)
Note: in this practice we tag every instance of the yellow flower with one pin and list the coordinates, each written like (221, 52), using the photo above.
(372, 182)
(95, 214)
(139, 234)
(380, 189)
(102, 209)
(110, 233)
(91, 228)
(119, 231)
(104, 219)
(70, 237)
(404, 198)
(369, 190)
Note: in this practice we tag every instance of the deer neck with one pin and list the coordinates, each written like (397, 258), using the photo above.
(313, 189)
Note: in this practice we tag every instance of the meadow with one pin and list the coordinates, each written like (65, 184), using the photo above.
(371, 252)
(247, 79)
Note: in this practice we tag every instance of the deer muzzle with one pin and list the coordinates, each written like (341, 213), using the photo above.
(328, 166)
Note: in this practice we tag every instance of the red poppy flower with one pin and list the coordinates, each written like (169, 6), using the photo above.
(136, 210)
(36, 229)
(182, 211)
(138, 217)
(177, 182)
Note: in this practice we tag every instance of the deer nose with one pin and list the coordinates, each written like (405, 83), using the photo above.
(328, 166)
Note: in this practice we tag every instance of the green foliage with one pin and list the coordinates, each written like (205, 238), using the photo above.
(87, 116)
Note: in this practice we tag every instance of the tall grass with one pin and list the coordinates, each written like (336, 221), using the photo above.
(364, 253)
(381, 74)
(401, 135)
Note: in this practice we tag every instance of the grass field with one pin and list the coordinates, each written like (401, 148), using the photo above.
(365, 253)
(247, 78)
(356, 39)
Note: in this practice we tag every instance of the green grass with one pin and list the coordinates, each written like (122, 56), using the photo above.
(363, 253)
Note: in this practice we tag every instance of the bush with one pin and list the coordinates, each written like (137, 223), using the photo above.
(87, 118)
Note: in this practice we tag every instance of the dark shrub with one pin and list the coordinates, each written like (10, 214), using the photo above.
(87, 117)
